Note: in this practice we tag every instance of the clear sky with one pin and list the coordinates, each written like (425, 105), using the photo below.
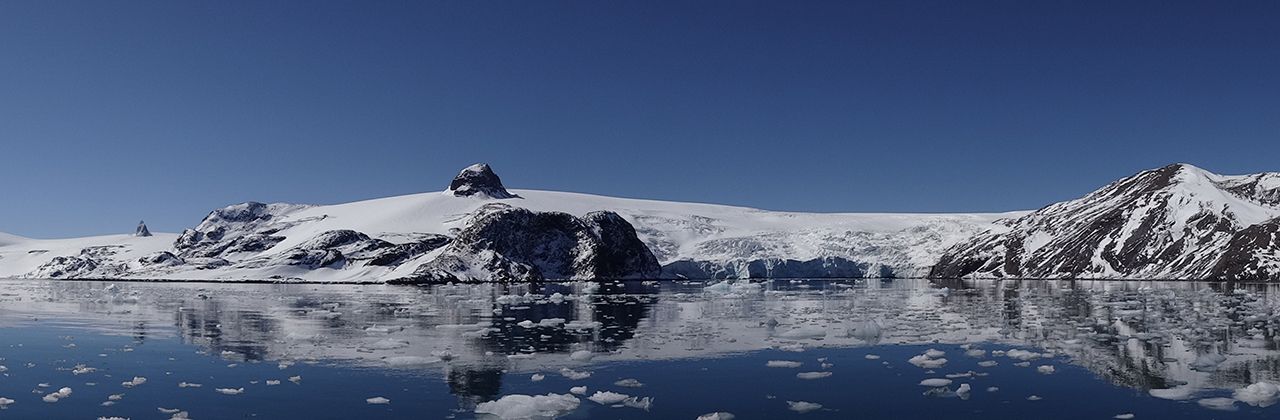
(115, 111)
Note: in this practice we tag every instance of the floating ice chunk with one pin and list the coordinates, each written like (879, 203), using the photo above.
(783, 364)
(53, 397)
(578, 390)
(1220, 403)
(137, 380)
(273, 382)
(537, 377)
(988, 363)
(5, 402)
(1022, 354)
(636, 402)
(574, 375)
(168, 410)
(925, 362)
(608, 398)
(934, 353)
(872, 357)
(296, 379)
(1045, 369)
(526, 324)
(803, 406)
(1261, 394)
(1176, 394)
(181, 415)
(1034, 398)
(813, 375)
(82, 369)
(230, 391)
(529, 406)
(629, 383)
(581, 356)
(935, 382)
(1022, 364)
(188, 385)
(377, 401)
(1125, 416)
(719, 415)
(963, 391)
(115, 397)
(993, 388)
(976, 353)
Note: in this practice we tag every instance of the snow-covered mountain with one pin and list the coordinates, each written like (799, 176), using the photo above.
(1175, 222)
(436, 235)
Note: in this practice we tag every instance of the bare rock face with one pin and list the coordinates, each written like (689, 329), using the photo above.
(479, 180)
(244, 227)
(504, 243)
(1175, 222)
(142, 230)
(1253, 254)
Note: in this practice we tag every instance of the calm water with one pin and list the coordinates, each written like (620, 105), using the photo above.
(804, 349)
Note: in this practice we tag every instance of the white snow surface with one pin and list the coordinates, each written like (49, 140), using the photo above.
(908, 243)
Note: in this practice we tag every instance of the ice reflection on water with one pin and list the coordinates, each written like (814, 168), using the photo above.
(1191, 337)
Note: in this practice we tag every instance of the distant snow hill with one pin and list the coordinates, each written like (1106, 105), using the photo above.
(479, 231)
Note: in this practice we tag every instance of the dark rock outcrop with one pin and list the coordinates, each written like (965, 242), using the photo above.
(503, 243)
(142, 231)
(1253, 254)
(240, 228)
(479, 180)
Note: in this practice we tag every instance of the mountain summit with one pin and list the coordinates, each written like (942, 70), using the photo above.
(142, 230)
(1178, 222)
(479, 179)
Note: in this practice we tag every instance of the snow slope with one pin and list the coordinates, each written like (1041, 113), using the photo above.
(1173, 222)
(906, 244)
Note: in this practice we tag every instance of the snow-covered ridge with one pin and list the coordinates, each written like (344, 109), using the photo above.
(1175, 222)
(389, 238)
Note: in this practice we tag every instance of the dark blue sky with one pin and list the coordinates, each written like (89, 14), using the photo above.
(114, 111)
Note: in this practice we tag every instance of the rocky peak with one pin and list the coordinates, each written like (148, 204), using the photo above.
(142, 230)
(479, 179)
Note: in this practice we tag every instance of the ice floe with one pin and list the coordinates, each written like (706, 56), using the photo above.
(813, 375)
(1260, 394)
(803, 406)
(529, 406)
(574, 375)
(629, 383)
(1218, 403)
(377, 401)
(607, 398)
(719, 415)
(783, 364)
(935, 382)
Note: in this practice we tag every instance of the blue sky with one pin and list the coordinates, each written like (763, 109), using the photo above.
(114, 111)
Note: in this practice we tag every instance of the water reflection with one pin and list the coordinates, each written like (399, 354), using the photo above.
(1189, 337)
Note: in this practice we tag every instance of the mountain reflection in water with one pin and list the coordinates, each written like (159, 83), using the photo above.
(1188, 336)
